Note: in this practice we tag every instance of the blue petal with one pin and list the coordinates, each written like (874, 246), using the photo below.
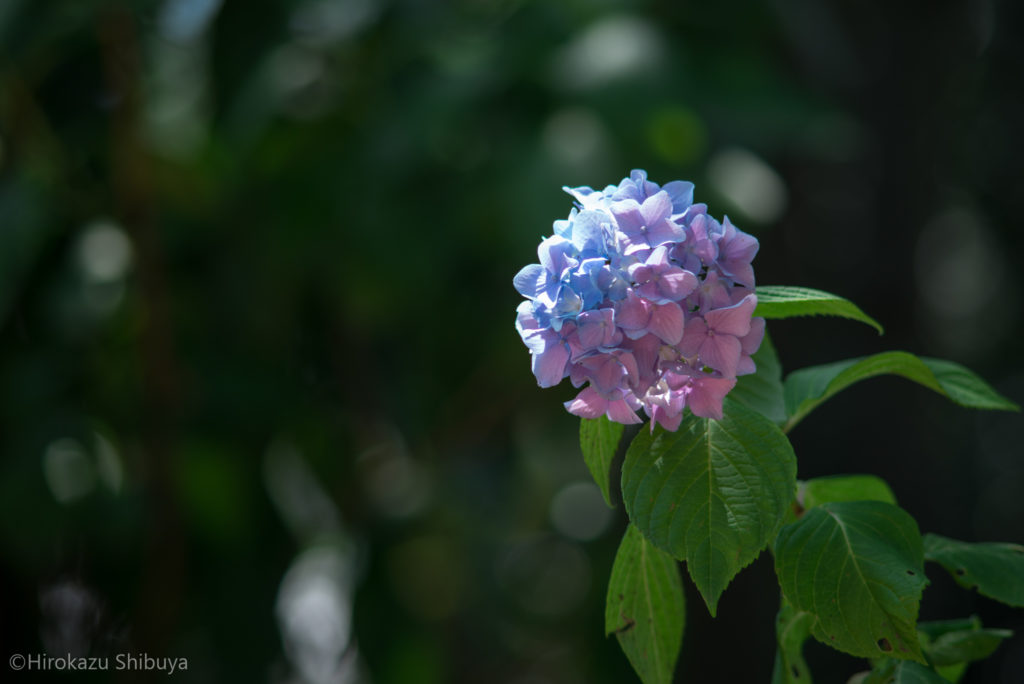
(531, 280)
(556, 256)
(587, 233)
(681, 193)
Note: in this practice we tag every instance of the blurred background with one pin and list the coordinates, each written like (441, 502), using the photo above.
(262, 404)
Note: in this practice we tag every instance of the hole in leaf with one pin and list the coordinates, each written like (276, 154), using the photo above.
(796, 671)
(960, 572)
(884, 644)
(911, 573)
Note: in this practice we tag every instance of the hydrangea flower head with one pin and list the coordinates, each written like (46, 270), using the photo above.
(644, 298)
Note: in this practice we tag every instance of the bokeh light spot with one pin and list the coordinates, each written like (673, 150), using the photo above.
(68, 469)
(579, 512)
(749, 184)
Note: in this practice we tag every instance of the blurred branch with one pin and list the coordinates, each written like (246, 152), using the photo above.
(161, 401)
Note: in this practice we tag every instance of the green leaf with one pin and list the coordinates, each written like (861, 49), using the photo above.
(996, 570)
(822, 490)
(782, 301)
(806, 388)
(964, 646)
(645, 608)
(952, 673)
(888, 671)
(762, 391)
(933, 629)
(713, 493)
(792, 627)
(899, 672)
(857, 567)
(912, 673)
(598, 440)
(951, 644)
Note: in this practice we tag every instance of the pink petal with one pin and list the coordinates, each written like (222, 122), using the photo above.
(721, 352)
(733, 320)
(667, 322)
(708, 393)
(667, 420)
(659, 257)
(645, 353)
(746, 366)
(587, 404)
(740, 271)
(606, 374)
(751, 342)
(620, 412)
(693, 337)
(633, 312)
(594, 327)
(675, 283)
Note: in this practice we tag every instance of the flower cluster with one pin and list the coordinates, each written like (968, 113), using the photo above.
(646, 297)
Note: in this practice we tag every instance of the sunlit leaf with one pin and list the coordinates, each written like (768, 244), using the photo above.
(598, 440)
(645, 608)
(806, 388)
(783, 301)
(713, 493)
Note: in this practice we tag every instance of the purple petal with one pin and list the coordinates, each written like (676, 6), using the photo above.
(526, 321)
(628, 217)
(733, 320)
(721, 352)
(620, 412)
(681, 194)
(549, 365)
(667, 322)
(531, 280)
(587, 404)
(632, 313)
(706, 398)
(667, 420)
(607, 375)
(656, 209)
(675, 283)
(645, 353)
(556, 255)
(664, 232)
(713, 293)
(595, 328)
(751, 342)
(737, 245)
(659, 257)
(693, 337)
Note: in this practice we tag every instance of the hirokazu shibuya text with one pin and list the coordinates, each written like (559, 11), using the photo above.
(121, 662)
